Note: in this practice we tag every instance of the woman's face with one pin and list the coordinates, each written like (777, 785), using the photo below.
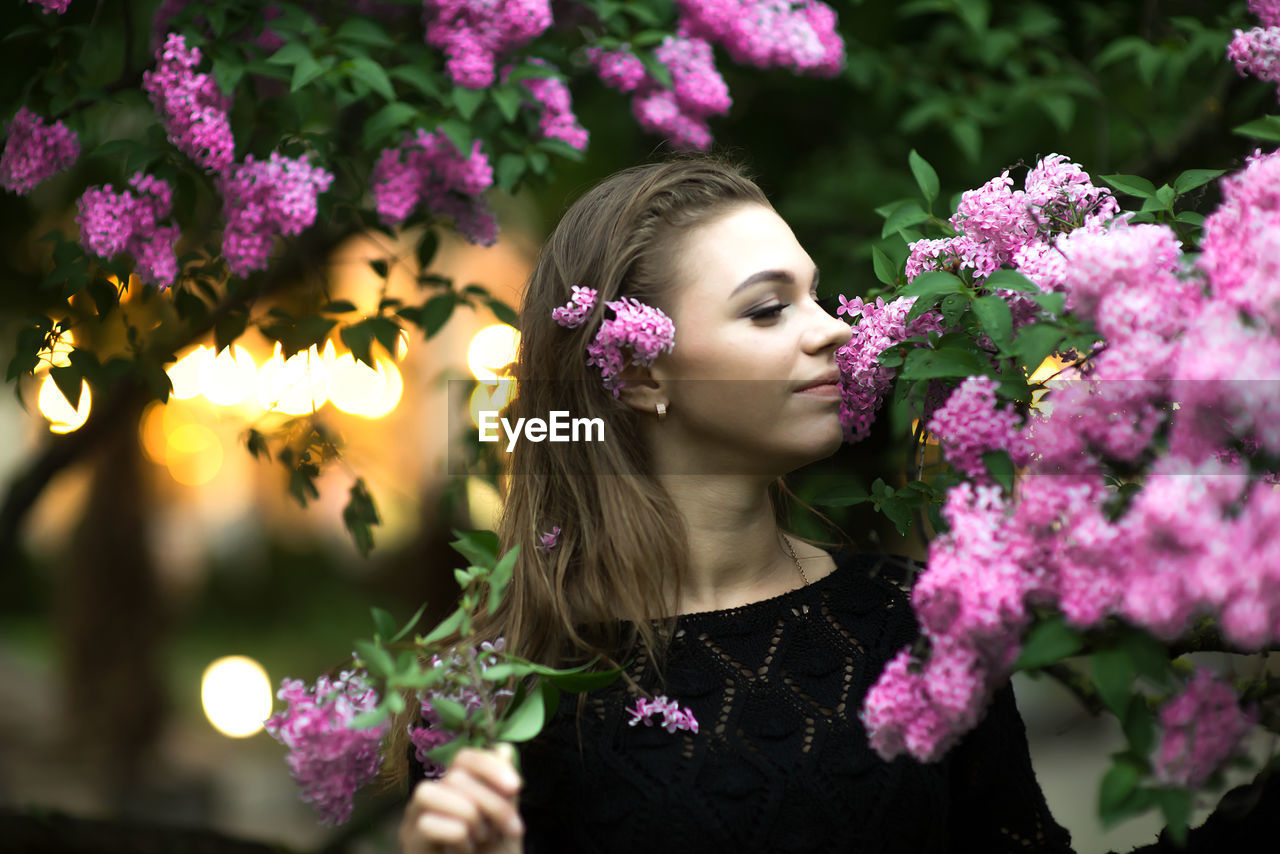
(749, 337)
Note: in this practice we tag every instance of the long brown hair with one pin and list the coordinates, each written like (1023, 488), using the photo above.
(622, 545)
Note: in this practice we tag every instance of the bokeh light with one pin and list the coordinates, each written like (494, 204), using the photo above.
(236, 695)
(62, 417)
(492, 348)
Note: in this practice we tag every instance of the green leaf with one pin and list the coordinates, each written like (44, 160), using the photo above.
(420, 79)
(996, 320)
(445, 753)
(525, 721)
(363, 31)
(376, 659)
(1266, 128)
(842, 495)
(1193, 178)
(1011, 280)
(447, 626)
(967, 136)
(229, 328)
(459, 133)
(291, 54)
(478, 547)
(500, 577)
(304, 72)
(1034, 343)
(1132, 185)
(898, 512)
(1113, 673)
(453, 715)
(373, 75)
(1049, 640)
(511, 168)
(905, 215)
(68, 379)
(359, 516)
(926, 177)
(579, 682)
(924, 364)
(508, 98)
(338, 306)
(1150, 658)
(1118, 786)
(886, 271)
(1139, 726)
(370, 719)
(503, 312)
(407, 627)
(1176, 806)
(467, 101)
(1000, 466)
(390, 118)
(358, 338)
(933, 284)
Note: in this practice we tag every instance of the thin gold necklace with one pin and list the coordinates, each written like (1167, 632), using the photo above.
(803, 578)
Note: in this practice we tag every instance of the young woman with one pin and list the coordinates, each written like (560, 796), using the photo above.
(669, 559)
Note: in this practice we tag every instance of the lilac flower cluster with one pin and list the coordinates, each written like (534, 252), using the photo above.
(557, 120)
(455, 684)
(34, 151)
(673, 717)
(130, 221)
(796, 34)
(863, 380)
(1202, 728)
(473, 33)
(428, 169)
(327, 758)
(55, 6)
(1241, 243)
(679, 113)
(263, 199)
(1196, 540)
(998, 226)
(644, 330)
(192, 108)
(1257, 51)
(969, 424)
(548, 540)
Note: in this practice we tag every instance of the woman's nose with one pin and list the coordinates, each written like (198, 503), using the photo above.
(828, 331)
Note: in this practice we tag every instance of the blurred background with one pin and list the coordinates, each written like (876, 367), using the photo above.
(164, 581)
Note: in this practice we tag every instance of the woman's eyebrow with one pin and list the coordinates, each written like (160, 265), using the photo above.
(771, 276)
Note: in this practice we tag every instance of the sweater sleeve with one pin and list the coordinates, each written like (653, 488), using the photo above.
(997, 805)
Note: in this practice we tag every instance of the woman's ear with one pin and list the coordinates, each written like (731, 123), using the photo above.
(641, 388)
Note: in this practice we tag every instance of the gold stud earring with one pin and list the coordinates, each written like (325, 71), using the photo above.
(662, 411)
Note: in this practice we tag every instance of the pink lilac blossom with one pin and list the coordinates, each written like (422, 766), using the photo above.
(618, 69)
(863, 380)
(673, 717)
(1062, 197)
(997, 220)
(1267, 10)
(473, 33)
(556, 120)
(644, 330)
(57, 7)
(1257, 52)
(427, 169)
(327, 758)
(130, 221)
(1241, 241)
(969, 424)
(34, 151)
(1131, 257)
(192, 108)
(263, 199)
(947, 253)
(455, 684)
(680, 113)
(799, 35)
(548, 540)
(1201, 728)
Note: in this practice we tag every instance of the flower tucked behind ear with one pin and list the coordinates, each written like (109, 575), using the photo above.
(643, 329)
(673, 717)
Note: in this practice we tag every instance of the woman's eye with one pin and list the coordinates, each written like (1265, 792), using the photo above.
(771, 311)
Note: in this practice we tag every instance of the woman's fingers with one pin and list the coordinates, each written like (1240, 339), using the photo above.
(468, 808)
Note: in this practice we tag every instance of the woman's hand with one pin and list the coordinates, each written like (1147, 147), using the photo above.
(472, 808)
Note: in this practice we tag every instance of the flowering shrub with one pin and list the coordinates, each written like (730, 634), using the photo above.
(1125, 511)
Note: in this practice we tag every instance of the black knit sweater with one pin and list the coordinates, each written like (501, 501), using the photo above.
(780, 762)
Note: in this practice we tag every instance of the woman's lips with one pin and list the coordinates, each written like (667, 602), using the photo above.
(830, 390)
